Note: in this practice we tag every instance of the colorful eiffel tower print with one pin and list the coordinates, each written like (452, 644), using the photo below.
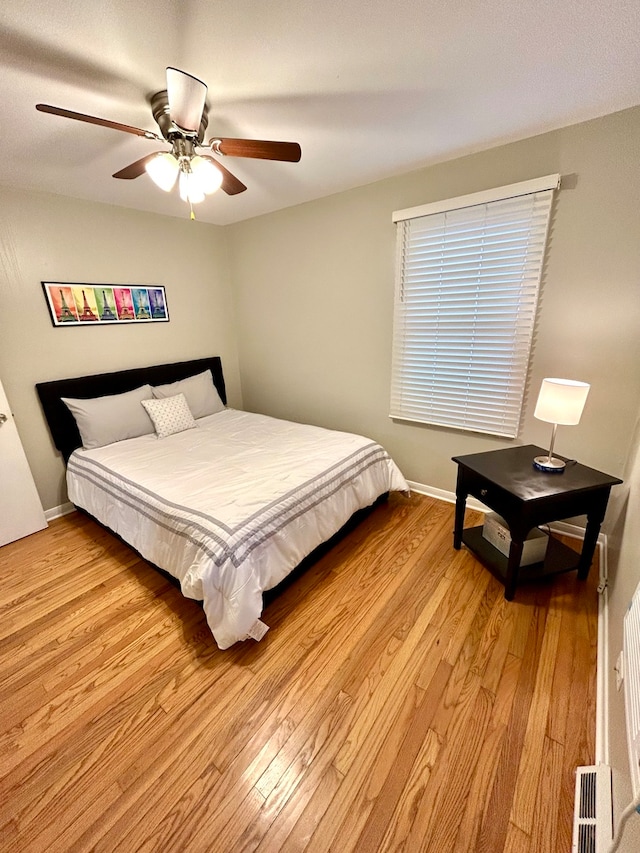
(156, 302)
(124, 303)
(65, 314)
(141, 303)
(106, 313)
(86, 314)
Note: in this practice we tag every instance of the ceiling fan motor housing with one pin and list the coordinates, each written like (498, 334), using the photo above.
(160, 110)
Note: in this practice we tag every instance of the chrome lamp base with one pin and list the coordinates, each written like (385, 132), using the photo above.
(549, 464)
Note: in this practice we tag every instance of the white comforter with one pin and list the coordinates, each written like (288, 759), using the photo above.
(231, 507)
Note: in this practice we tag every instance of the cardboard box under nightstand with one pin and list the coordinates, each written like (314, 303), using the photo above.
(496, 532)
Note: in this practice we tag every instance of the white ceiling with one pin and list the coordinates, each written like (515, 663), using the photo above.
(368, 88)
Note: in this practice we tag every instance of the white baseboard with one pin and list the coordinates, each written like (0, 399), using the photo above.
(444, 495)
(58, 511)
(602, 679)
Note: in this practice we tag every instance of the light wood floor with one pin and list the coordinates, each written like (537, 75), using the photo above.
(398, 703)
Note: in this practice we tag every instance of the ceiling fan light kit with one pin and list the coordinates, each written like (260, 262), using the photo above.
(206, 174)
(163, 170)
(182, 114)
(189, 189)
(199, 177)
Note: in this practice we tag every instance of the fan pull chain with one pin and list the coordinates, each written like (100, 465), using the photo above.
(192, 216)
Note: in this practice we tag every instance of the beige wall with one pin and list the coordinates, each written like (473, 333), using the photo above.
(46, 237)
(624, 577)
(314, 298)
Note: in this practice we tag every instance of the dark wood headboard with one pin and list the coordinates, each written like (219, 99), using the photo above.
(61, 422)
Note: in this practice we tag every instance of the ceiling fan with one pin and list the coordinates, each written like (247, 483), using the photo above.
(182, 115)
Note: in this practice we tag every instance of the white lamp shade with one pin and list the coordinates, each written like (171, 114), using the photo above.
(189, 189)
(561, 401)
(163, 170)
(206, 174)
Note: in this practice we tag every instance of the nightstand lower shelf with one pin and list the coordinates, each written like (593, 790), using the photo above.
(559, 557)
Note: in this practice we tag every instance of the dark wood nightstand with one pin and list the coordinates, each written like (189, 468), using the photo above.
(506, 482)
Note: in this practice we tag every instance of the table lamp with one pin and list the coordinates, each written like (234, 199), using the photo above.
(560, 401)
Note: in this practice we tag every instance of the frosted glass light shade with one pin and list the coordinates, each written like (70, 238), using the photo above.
(207, 176)
(163, 170)
(561, 401)
(189, 189)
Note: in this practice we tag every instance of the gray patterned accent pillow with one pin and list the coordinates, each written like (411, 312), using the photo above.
(170, 415)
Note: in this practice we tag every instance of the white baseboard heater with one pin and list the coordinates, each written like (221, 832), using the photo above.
(631, 670)
(592, 817)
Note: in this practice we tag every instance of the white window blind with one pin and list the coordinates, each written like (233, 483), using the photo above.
(467, 284)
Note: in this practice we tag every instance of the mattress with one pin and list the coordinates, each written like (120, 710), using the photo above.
(231, 507)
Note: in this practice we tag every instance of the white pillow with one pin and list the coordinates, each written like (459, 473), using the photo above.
(199, 391)
(170, 415)
(103, 420)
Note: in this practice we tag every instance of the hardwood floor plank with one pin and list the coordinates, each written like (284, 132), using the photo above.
(438, 818)
(289, 839)
(523, 613)
(504, 622)
(488, 764)
(220, 840)
(506, 690)
(396, 771)
(563, 672)
(82, 738)
(476, 605)
(361, 745)
(55, 595)
(58, 674)
(82, 697)
(321, 775)
(405, 664)
(544, 834)
(478, 608)
(401, 820)
(217, 804)
(40, 648)
(290, 779)
(517, 841)
(524, 800)
(495, 820)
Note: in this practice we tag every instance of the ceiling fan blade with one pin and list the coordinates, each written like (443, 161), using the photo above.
(186, 95)
(103, 122)
(134, 170)
(230, 184)
(258, 148)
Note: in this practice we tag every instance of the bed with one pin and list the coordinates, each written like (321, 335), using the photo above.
(227, 502)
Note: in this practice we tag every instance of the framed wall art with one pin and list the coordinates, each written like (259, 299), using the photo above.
(77, 304)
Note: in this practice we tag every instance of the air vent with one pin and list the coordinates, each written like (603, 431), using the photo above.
(592, 821)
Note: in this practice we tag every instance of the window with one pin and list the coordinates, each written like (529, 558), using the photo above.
(467, 283)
